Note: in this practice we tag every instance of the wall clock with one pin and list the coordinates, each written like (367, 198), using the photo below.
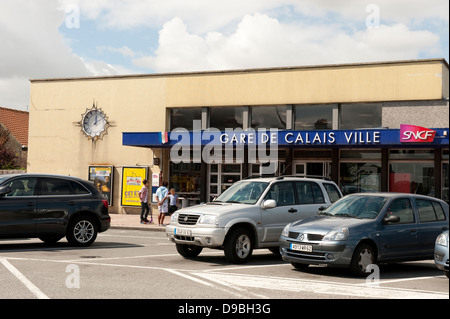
(94, 123)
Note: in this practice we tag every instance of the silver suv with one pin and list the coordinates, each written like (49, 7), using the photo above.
(250, 214)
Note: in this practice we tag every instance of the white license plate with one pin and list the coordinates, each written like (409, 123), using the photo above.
(183, 232)
(307, 248)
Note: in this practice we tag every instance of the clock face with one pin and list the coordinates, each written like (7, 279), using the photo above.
(94, 123)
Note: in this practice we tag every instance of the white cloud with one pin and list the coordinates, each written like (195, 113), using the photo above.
(262, 41)
(210, 35)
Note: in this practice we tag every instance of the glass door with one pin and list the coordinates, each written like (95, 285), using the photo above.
(222, 176)
(322, 169)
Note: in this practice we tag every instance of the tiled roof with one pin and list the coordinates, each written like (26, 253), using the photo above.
(16, 122)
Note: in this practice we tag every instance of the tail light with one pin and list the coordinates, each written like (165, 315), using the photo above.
(105, 202)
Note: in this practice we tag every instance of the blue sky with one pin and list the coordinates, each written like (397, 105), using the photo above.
(66, 38)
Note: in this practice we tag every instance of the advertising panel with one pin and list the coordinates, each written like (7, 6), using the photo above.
(132, 178)
(102, 177)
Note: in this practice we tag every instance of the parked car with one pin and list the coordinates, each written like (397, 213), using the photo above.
(364, 229)
(441, 252)
(50, 207)
(250, 214)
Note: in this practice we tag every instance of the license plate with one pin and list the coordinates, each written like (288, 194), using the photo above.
(307, 248)
(183, 232)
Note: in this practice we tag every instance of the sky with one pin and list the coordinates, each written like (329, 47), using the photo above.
(76, 38)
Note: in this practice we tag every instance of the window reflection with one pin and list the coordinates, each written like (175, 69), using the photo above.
(226, 117)
(183, 118)
(313, 117)
(360, 115)
(269, 117)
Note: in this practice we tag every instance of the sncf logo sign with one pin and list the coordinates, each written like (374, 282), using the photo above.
(416, 134)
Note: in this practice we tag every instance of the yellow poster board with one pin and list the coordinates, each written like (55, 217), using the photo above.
(132, 181)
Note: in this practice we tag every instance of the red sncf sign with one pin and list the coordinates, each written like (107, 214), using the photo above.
(416, 134)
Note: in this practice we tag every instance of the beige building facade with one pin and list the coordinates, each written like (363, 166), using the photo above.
(314, 99)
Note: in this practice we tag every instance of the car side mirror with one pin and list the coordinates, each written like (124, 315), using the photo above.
(270, 203)
(5, 190)
(391, 219)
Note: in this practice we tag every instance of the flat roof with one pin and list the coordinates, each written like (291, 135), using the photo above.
(361, 64)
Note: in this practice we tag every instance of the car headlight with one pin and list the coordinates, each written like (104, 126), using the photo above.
(174, 218)
(285, 232)
(337, 234)
(442, 239)
(209, 220)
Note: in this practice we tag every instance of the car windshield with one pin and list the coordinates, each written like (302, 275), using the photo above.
(356, 206)
(245, 192)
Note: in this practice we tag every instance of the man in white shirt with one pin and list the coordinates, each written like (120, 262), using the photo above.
(163, 204)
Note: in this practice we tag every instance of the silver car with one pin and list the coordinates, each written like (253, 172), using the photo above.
(364, 229)
(250, 214)
(441, 252)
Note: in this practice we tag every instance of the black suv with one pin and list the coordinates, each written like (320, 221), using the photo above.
(50, 207)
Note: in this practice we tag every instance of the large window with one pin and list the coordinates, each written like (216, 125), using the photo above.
(415, 178)
(268, 117)
(360, 115)
(313, 117)
(412, 171)
(184, 117)
(226, 117)
(360, 171)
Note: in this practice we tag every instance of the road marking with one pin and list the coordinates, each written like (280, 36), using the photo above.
(34, 290)
(318, 287)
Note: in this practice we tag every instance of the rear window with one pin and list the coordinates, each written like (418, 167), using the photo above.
(79, 189)
(429, 211)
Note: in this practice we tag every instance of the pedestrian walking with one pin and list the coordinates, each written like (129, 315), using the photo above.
(173, 201)
(163, 204)
(145, 209)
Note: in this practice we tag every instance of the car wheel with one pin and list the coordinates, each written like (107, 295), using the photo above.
(238, 246)
(363, 256)
(82, 231)
(189, 251)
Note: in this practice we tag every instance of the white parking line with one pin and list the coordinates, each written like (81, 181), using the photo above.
(34, 290)
(318, 287)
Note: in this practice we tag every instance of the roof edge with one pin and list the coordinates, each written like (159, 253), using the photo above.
(320, 66)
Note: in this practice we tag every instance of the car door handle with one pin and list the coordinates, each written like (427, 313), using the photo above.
(445, 228)
(292, 210)
(72, 203)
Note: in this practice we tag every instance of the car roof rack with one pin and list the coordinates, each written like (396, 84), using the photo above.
(304, 176)
(260, 176)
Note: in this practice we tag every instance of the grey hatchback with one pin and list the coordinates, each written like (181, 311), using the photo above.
(50, 207)
(364, 229)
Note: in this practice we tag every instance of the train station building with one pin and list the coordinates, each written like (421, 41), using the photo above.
(367, 126)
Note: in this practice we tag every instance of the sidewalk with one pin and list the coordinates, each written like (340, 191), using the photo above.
(132, 221)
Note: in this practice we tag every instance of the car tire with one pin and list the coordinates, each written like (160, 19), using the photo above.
(82, 231)
(189, 251)
(363, 256)
(238, 246)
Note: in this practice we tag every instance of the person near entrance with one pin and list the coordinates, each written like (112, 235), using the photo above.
(145, 209)
(162, 194)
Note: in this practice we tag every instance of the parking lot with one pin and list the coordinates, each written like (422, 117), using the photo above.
(134, 264)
